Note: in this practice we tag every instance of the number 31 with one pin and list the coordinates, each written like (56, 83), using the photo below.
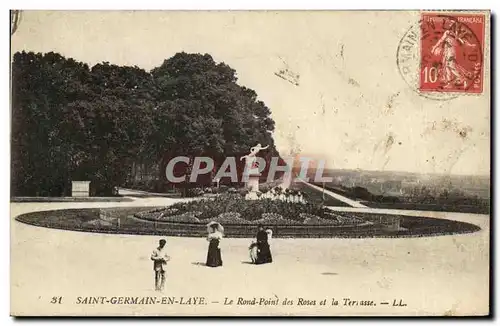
(55, 300)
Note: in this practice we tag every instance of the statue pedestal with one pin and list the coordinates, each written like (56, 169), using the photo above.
(253, 186)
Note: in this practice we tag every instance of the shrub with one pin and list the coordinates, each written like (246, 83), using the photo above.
(211, 190)
(264, 188)
(362, 193)
(313, 219)
(348, 219)
(188, 217)
(228, 218)
(272, 216)
(157, 213)
(98, 223)
(194, 192)
(243, 191)
(274, 219)
(168, 212)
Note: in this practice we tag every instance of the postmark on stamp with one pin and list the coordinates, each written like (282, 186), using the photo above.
(441, 57)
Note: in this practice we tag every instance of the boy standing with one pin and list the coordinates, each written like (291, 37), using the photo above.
(160, 259)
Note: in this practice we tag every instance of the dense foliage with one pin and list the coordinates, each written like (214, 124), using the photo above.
(75, 122)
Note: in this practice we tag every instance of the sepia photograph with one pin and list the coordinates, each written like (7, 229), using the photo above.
(250, 163)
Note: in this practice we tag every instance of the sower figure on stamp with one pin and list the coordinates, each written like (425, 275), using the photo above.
(160, 259)
(446, 48)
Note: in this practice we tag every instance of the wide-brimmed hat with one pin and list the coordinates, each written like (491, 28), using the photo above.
(215, 225)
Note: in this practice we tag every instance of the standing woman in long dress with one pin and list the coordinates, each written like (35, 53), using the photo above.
(264, 251)
(215, 234)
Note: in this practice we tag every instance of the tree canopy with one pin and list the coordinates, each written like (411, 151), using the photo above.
(75, 122)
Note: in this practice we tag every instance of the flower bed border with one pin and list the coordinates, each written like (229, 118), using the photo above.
(144, 227)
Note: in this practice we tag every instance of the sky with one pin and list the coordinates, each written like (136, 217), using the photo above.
(347, 103)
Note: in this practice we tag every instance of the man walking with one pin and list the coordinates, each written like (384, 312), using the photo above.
(160, 259)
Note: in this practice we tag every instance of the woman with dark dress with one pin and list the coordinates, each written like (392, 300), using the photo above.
(214, 258)
(263, 250)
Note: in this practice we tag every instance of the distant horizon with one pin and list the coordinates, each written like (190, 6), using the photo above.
(409, 172)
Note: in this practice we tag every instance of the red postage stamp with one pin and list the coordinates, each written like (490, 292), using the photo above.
(452, 48)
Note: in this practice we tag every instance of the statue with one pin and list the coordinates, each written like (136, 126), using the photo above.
(252, 170)
(252, 166)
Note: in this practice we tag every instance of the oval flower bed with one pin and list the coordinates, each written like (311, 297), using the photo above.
(234, 209)
(87, 220)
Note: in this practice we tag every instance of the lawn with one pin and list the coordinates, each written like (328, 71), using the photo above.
(401, 202)
(316, 196)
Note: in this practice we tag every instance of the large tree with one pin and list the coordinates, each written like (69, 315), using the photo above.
(202, 110)
(72, 122)
(42, 88)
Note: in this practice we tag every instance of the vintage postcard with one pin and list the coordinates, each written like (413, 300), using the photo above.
(250, 163)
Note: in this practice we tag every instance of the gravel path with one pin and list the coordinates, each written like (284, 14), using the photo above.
(433, 276)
